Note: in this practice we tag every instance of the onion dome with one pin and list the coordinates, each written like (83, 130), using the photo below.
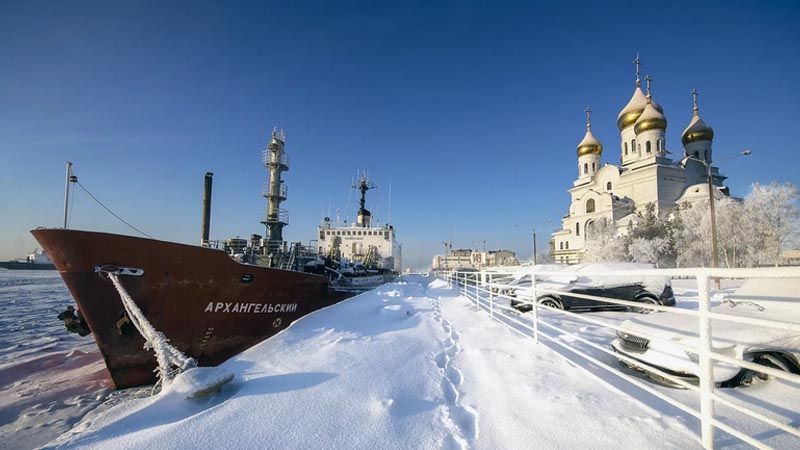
(697, 129)
(632, 110)
(589, 144)
(651, 119)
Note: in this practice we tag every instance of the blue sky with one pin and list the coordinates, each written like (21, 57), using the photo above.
(470, 110)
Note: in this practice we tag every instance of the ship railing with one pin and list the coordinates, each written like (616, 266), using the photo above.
(273, 158)
(584, 339)
(281, 217)
(269, 191)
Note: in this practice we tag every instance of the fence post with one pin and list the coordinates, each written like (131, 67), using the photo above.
(704, 349)
(491, 298)
(478, 282)
(535, 307)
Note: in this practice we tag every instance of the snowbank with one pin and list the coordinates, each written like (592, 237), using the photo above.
(409, 365)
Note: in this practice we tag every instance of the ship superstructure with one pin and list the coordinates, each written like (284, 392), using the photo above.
(361, 242)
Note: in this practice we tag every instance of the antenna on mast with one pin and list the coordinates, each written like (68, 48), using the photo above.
(363, 185)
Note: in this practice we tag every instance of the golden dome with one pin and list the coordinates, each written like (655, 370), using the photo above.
(632, 110)
(635, 107)
(650, 119)
(697, 129)
(589, 144)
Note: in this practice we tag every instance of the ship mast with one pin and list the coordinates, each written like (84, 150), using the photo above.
(363, 185)
(277, 161)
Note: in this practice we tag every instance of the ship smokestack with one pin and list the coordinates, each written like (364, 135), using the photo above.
(206, 226)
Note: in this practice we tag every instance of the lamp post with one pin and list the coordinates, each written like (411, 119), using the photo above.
(710, 179)
(534, 241)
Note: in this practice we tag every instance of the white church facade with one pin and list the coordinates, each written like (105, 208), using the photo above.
(646, 173)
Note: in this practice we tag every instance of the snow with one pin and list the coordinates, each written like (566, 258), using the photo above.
(408, 365)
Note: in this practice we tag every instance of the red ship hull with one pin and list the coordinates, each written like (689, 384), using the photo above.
(208, 305)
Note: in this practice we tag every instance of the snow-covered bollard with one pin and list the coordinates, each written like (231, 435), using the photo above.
(199, 382)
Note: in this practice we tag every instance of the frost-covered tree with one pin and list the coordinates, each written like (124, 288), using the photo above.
(775, 218)
(651, 251)
(603, 243)
(750, 232)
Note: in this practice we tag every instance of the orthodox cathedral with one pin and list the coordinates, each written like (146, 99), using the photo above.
(647, 174)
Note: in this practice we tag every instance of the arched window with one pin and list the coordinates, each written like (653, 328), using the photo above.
(659, 145)
(589, 206)
(594, 168)
(577, 229)
(647, 147)
(639, 149)
(566, 245)
(608, 186)
(626, 148)
(585, 168)
(561, 246)
(633, 145)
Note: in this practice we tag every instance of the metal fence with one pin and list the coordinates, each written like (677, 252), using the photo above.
(491, 292)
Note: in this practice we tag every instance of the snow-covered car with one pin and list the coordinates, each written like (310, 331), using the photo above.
(555, 288)
(661, 340)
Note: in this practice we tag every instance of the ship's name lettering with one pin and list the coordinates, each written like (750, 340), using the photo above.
(248, 308)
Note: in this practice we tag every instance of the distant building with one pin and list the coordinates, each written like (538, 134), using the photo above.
(646, 174)
(473, 259)
(790, 257)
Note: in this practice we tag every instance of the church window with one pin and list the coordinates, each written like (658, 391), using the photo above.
(577, 229)
(585, 168)
(626, 149)
(659, 145)
(561, 246)
(567, 245)
(647, 146)
(589, 206)
(633, 145)
(608, 186)
(639, 149)
(696, 154)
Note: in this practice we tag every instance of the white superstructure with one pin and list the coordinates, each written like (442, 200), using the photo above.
(361, 242)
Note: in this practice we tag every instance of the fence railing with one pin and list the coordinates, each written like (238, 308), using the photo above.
(493, 292)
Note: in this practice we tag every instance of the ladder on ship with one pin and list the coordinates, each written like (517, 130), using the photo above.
(372, 257)
(288, 259)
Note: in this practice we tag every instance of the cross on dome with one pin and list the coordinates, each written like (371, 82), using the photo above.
(649, 80)
(694, 100)
(588, 118)
(638, 63)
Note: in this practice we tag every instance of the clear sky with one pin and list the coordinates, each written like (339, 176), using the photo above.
(470, 110)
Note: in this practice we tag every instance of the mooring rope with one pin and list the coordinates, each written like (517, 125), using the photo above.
(166, 355)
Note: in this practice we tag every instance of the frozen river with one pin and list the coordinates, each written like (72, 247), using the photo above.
(49, 378)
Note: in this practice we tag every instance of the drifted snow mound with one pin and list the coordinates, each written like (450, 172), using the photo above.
(438, 284)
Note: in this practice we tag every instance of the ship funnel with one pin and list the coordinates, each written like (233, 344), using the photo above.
(206, 226)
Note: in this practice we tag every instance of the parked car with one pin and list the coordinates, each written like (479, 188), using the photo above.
(578, 279)
(772, 299)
